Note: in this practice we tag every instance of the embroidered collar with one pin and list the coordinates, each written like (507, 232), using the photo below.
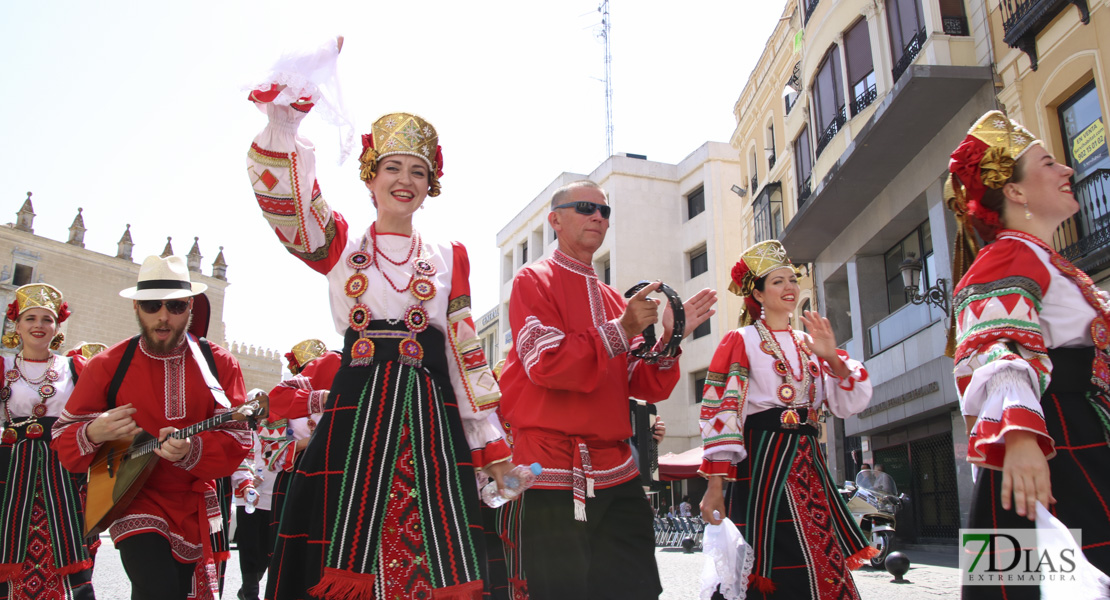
(573, 265)
(176, 353)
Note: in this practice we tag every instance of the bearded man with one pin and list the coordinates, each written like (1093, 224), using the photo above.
(160, 381)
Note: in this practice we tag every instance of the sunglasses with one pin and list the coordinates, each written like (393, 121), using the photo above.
(587, 208)
(176, 307)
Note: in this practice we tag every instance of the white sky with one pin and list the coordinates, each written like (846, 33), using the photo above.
(133, 111)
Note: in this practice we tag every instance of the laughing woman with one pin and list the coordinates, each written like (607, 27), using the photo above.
(384, 502)
(766, 386)
(43, 554)
(1033, 345)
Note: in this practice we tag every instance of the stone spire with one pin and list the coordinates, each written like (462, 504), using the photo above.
(125, 244)
(77, 230)
(168, 250)
(193, 258)
(26, 216)
(219, 267)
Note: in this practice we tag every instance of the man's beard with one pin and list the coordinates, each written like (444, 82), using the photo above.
(151, 342)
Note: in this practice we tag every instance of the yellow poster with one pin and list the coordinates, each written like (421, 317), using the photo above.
(1089, 141)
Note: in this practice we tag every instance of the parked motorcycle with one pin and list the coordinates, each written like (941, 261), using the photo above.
(874, 500)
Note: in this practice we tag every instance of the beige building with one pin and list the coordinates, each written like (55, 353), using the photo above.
(669, 222)
(844, 130)
(91, 281)
(1052, 60)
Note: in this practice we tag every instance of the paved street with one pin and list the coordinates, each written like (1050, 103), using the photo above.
(933, 574)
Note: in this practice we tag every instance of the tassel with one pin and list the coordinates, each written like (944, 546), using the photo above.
(11, 570)
(471, 590)
(76, 567)
(579, 510)
(763, 584)
(343, 585)
(590, 487)
(856, 560)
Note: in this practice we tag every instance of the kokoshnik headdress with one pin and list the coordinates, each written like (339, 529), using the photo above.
(36, 295)
(754, 263)
(304, 353)
(985, 159)
(402, 133)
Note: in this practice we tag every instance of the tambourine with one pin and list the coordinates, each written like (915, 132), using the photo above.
(644, 350)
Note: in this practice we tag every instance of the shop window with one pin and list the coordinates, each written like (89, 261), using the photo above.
(920, 244)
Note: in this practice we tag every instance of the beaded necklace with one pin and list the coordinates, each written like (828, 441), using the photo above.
(792, 385)
(46, 390)
(1100, 325)
(419, 285)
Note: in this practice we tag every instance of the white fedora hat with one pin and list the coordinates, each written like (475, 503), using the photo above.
(163, 279)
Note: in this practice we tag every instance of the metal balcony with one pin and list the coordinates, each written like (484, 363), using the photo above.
(909, 53)
(1084, 239)
(831, 131)
(811, 5)
(1022, 20)
(755, 183)
(863, 100)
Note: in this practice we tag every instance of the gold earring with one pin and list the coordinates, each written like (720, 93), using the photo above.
(10, 339)
(1028, 215)
(57, 341)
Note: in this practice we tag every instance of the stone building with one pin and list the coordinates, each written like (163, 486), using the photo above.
(91, 282)
(673, 222)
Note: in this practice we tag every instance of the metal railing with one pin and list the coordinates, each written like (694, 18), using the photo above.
(770, 162)
(909, 53)
(755, 183)
(1089, 229)
(804, 190)
(864, 100)
(831, 131)
(811, 6)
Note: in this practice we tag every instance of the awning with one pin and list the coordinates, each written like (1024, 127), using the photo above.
(673, 466)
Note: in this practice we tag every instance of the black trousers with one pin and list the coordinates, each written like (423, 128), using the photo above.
(154, 573)
(252, 536)
(609, 556)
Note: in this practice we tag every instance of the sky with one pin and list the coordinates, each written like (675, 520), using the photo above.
(135, 112)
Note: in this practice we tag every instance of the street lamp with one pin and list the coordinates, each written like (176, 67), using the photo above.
(937, 295)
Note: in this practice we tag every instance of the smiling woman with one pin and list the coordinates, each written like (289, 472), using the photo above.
(358, 508)
(764, 393)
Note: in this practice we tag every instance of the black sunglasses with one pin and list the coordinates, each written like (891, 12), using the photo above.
(176, 307)
(583, 207)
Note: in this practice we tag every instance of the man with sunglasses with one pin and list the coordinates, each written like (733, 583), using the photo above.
(163, 380)
(587, 527)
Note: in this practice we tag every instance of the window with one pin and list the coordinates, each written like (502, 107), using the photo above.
(907, 33)
(507, 268)
(754, 171)
(920, 244)
(828, 99)
(22, 275)
(701, 330)
(523, 253)
(1085, 132)
(607, 272)
(698, 378)
(769, 148)
(767, 209)
(803, 164)
(861, 69)
(695, 203)
(699, 262)
(954, 17)
(808, 306)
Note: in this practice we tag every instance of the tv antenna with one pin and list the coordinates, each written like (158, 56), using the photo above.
(604, 10)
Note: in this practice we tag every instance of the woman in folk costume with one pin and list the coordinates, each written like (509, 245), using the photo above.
(1032, 338)
(766, 386)
(43, 553)
(385, 496)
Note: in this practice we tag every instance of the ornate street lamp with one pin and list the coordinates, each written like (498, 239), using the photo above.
(937, 295)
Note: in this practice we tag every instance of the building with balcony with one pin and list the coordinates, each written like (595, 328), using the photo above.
(861, 102)
(674, 222)
(1052, 62)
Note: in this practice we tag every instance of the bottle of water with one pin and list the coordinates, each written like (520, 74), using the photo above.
(520, 478)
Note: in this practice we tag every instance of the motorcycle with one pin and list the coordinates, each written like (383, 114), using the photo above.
(873, 500)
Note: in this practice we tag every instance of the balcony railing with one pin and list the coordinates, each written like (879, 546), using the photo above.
(811, 5)
(831, 131)
(863, 100)
(909, 53)
(770, 162)
(755, 183)
(1089, 230)
(804, 190)
(955, 26)
(1022, 20)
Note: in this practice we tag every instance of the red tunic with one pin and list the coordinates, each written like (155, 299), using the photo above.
(568, 377)
(304, 393)
(176, 502)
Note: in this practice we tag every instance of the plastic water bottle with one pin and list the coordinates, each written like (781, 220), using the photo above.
(517, 480)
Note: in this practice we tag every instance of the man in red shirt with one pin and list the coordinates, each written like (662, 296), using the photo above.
(587, 525)
(169, 382)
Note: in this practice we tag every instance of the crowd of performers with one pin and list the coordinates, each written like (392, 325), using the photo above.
(358, 480)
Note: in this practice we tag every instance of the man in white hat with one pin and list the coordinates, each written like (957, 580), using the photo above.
(161, 381)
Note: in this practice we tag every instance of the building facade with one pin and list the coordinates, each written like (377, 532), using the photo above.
(91, 282)
(674, 222)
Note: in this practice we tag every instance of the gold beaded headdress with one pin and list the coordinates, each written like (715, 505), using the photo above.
(756, 262)
(402, 133)
(38, 295)
(87, 349)
(304, 353)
